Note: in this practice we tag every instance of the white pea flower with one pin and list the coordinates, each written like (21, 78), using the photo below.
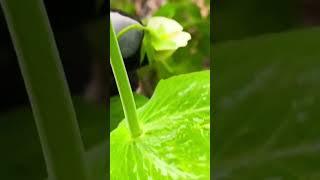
(163, 37)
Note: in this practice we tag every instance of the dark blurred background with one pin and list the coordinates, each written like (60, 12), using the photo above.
(240, 19)
(266, 83)
(80, 30)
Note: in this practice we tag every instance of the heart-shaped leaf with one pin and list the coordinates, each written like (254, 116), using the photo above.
(175, 143)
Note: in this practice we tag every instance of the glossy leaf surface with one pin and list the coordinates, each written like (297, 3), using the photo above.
(176, 133)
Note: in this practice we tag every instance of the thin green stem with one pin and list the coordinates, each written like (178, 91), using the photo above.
(129, 28)
(123, 84)
(47, 89)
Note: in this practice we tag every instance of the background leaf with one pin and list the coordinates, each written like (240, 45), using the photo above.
(267, 107)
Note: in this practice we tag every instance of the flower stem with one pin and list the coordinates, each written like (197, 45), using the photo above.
(47, 89)
(123, 84)
(129, 28)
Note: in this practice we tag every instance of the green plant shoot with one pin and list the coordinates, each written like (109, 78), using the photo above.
(123, 84)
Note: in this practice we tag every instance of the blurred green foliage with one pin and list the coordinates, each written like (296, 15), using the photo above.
(123, 5)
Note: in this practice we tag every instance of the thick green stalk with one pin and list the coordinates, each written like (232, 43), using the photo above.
(122, 80)
(47, 89)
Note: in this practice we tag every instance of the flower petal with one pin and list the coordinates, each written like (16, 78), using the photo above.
(180, 38)
(168, 25)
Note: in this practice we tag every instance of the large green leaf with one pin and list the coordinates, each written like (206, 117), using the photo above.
(176, 133)
(267, 105)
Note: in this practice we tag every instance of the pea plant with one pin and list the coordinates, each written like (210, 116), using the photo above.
(169, 136)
